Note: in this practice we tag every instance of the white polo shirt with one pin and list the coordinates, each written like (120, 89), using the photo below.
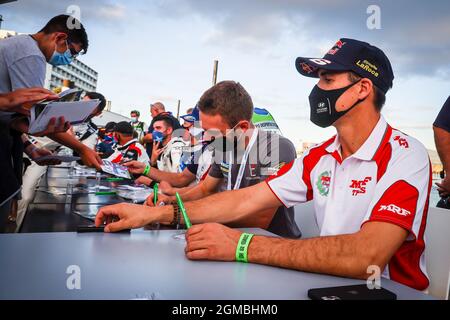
(388, 179)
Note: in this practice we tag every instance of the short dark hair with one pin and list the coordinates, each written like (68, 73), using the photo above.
(230, 100)
(379, 96)
(166, 119)
(135, 112)
(99, 96)
(124, 128)
(61, 24)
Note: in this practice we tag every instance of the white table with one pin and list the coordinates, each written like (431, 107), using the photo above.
(145, 264)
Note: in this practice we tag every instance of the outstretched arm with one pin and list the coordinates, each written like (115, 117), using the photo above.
(253, 206)
(178, 180)
(88, 156)
(347, 255)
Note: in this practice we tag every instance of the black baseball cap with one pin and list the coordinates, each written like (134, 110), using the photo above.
(360, 57)
(124, 127)
(110, 126)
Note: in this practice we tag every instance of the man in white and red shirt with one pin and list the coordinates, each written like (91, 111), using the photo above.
(128, 148)
(370, 186)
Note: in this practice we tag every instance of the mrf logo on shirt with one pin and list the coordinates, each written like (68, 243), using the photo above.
(402, 142)
(398, 203)
(323, 183)
(359, 186)
(395, 209)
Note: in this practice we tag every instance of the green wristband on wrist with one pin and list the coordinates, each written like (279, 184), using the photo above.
(146, 170)
(242, 247)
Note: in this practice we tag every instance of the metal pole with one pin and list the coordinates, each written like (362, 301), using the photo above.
(178, 110)
(1, 20)
(216, 67)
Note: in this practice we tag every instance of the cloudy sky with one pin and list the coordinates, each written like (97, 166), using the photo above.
(146, 51)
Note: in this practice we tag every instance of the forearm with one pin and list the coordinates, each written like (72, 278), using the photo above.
(68, 140)
(183, 190)
(336, 255)
(442, 139)
(248, 207)
(201, 211)
(197, 192)
(174, 179)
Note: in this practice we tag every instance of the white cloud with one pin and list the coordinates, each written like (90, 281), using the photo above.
(112, 11)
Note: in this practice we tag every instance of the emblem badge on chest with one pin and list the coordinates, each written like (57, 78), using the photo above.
(323, 183)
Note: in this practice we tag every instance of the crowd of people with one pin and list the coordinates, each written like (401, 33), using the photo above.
(370, 183)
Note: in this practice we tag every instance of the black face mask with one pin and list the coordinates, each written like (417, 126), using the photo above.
(323, 105)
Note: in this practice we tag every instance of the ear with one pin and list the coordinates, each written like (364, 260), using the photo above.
(365, 88)
(169, 130)
(60, 37)
(244, 125)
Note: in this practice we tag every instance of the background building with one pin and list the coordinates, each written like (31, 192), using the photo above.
(80, 74)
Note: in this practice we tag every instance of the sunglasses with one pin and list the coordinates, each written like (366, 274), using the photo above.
(74, 53)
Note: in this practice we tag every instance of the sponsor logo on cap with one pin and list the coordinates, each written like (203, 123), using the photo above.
(338, 45)
(369, 67)
(320, 61)
(307, 68)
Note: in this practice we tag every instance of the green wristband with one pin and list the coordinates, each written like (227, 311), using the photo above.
(146, 170)
(242, 247)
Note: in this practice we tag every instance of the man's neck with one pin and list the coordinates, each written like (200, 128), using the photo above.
(125, 141)
(355, 130)
(39, 38)
(166, 140)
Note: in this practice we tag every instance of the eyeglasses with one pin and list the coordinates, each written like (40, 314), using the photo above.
(74, 52)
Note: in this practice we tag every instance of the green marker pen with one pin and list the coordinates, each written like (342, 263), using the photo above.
(187, 222)
(114, 179)
(105, 193)
(155, 193)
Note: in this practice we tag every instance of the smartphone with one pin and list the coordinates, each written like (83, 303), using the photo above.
(355, 292)
(90, 228)
(93, 228)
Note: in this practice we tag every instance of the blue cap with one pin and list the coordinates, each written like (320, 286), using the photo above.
(193, 116)
(360, 57)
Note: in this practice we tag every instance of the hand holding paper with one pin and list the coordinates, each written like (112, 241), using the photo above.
(54, 125)
(115, 169)
(73, 112)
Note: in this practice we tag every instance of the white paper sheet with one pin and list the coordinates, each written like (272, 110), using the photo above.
(115, 169)
(74, 112)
